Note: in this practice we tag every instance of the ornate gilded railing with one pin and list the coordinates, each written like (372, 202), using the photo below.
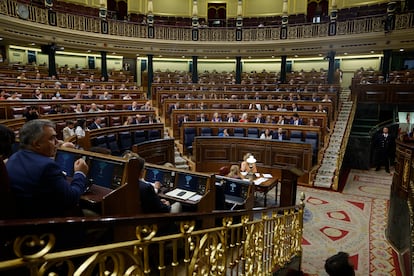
(410, 203)
(255, 242)
(130, 29)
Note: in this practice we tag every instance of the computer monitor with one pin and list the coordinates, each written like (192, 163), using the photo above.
(106, 173)
(65, 160)
(189, 182)
(233, 187)
(165, 177)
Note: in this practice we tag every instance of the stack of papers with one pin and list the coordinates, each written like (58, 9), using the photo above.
(260, 180)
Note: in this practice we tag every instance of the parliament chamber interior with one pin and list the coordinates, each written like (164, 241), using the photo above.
(233, 106)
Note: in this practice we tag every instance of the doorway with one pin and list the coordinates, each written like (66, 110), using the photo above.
(217, 14)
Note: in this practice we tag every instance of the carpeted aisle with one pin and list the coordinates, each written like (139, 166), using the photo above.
(353, 221)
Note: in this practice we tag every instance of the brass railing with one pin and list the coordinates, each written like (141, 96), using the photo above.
(256, 242)
(131, 29)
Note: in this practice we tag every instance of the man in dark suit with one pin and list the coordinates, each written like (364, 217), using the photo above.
(173, 106)
(183, 119)
(150, 201)
(37, 181)
(134, 106)
(202, 118)
(279, 134)
(96, 124)
(258, 119)
(383, 148)
(296, 120)
(230, 118)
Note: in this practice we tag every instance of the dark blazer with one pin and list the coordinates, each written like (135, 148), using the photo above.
(277, 136)
(40, 187)
(292, 122)
(150, 201)
(262, 120)
(93, 126)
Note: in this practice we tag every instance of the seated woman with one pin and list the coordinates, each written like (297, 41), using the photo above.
(245, 167)
(235, 172)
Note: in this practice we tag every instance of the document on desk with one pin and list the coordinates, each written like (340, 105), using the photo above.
(195, 198)
(267, 175)
(260, 180)
(180, 193)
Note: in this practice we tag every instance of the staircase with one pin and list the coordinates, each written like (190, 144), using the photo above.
(327, 174)
(180, 162)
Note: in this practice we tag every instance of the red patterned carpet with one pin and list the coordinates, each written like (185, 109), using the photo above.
(353, 221)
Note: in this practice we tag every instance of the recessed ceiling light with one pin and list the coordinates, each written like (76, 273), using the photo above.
(183, 56)
(372, 51)
(401, 50)
(205, 56)
(273, 56)
(320, 54)
(296, 56)
(113, 53)
(89, 51)
(346, 53)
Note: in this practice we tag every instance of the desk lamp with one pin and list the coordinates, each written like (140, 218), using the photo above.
(251, 161)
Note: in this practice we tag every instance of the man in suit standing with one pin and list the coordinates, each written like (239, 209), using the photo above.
(37, 181)
(383, 149)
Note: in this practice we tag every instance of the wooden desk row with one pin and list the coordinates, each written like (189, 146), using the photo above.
(115, 190)
(68, 94)
(211, 153)
(320, 119)
(384, 93)
(109, 118)
(145, 129)
(226, 105)
(161, 95)
(15, 109)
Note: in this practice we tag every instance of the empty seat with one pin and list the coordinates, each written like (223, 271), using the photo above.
(312, 138)
(239, 132)
(296, 135)
(17, 112)
(115, 120)
(99, 141)
(113, 144)
(252, 132)
(125, 140)
(154, 134)
(189, 134)
(140, 136)
(205, 131)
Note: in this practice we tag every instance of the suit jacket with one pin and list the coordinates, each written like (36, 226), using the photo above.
(94, 126)
(261, 120)
(40, 187)
(150, 201)
(300, 122)
(279, 137)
